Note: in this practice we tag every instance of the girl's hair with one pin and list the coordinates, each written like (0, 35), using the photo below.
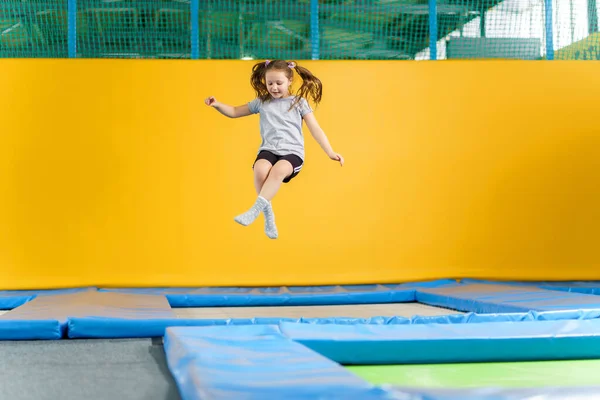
(311, 85)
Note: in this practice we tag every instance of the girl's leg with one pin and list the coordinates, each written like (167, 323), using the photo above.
(266, 191)
(261, 172)
(278, 173)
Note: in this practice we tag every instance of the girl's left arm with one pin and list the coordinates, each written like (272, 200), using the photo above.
(321, 138)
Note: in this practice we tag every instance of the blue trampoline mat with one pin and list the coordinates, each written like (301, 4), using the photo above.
(302, 361)
(288, 295)
(122, 313)
(505, 298)
(42, 329)
(120, 327)
(256, 362)
(450, 343)
(10, 299)
(587, 287)
(526, 322)
(56, 310)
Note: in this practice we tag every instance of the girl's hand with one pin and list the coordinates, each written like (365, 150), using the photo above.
(337, 157)
(211, 101)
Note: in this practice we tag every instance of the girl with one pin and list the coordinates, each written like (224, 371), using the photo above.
(281, 153)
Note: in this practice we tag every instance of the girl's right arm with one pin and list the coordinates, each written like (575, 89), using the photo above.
(227, 110)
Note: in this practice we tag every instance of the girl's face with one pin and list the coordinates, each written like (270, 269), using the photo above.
(278, 84)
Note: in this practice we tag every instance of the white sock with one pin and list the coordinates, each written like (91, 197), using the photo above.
(270, 227)
(250, 216)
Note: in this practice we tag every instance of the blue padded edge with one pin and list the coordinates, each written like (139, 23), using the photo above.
(467, 305)
(96, 327)
(106, 327)
(586, 287)
(502, 298)
(142, 310)
(10, 302)
(260, 362)
(10, 299)
(287, 296)
(256, 362)
(437, 343)
(30, 330)
(545, 393)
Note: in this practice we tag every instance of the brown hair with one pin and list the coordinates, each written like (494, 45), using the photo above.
(311, 85)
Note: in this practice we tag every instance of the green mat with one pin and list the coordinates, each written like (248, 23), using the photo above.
(473, 375)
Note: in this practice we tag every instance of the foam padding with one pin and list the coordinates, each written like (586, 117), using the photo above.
(102, 308)
(489, 298)
(256, 362)
(98, 327)
(587, 287)
(109, 317)
(42, 329)
(286, 296)
(111, 327)
(302, 361)
(10, 299)
(437, 343)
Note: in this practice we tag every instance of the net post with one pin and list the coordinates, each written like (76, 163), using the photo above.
(433, 29)
(592, 16)
(72, 28)
(549, 31)
(314, 29)
(195, 28)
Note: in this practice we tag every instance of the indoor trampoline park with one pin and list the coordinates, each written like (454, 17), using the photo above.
(442, 339)
(422, 224)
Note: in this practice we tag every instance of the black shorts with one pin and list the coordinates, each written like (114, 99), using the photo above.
(296, 162)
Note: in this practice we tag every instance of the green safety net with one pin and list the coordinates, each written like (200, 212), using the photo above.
(290, 29)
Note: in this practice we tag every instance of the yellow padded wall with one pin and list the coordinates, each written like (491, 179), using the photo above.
(113, 172)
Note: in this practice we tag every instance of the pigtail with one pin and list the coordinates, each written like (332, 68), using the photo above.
(257, 80)
(311, 85)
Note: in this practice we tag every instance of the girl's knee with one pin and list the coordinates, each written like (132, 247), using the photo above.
(262, 168)
(282, 169)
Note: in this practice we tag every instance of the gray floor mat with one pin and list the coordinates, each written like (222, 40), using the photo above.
(98, 369)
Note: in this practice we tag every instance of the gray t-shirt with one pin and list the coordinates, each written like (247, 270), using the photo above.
(280, 127)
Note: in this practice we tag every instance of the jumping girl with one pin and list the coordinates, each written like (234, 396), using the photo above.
(281, 153)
